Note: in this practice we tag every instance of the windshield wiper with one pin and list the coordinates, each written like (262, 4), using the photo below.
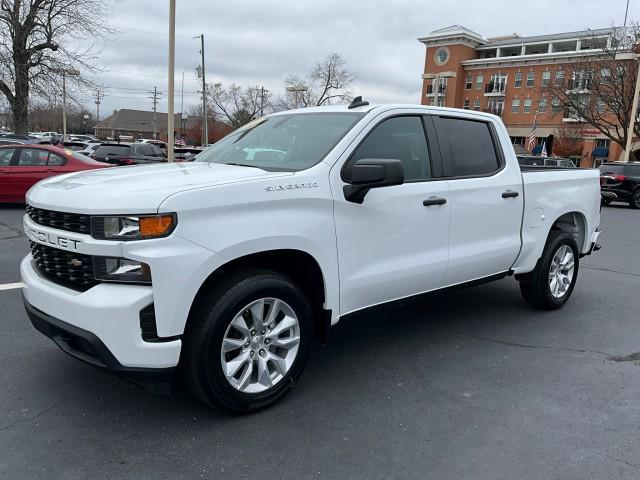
(235, 164)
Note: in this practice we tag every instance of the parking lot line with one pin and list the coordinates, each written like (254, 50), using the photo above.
(11, 286)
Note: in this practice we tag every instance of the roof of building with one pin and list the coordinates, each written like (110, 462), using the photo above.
(138, 120)
(453, 31)
(518, 40)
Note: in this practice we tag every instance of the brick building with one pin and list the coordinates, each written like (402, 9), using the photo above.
(507, 75)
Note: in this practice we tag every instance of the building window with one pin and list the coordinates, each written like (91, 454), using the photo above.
(530, 78)
(469, 83)
(527, 105)
(542, 105)
(603, 143)
(605, 75)
(432, 101)
(600, 107)
(517, 140)
(441, 101)
(479, 82)
(546, 78)
(555, 104)
(515, 105)
(518, 80)
(559, 78)
(476, 105)
(466, 104)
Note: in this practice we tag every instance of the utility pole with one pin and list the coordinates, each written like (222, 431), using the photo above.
(201, 74)
(182, 109)
(98, 95)
(263, 94)
(155, 96)
(170, 102)
(64, 74)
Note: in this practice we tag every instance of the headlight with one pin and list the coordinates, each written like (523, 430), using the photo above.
(135, 227)
(113, 269)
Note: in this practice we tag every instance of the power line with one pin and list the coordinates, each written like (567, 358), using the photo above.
(150, 32)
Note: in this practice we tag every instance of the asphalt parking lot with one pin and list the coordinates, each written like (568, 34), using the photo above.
(472, 384)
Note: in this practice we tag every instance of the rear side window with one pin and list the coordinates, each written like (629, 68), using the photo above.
(613, 169)
(399, 138)
(632, 170)
(104, 150)
(467, 147)
(5, 156)
(56, 160)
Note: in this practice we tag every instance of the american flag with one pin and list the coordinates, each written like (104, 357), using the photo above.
(532, 137)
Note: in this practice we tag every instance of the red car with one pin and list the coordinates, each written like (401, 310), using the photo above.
(21, 166)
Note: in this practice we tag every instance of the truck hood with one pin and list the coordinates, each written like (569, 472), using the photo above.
(135, 189)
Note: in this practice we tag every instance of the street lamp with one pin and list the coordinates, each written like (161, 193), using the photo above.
(172, 57)
(64, 72)
(295, 89)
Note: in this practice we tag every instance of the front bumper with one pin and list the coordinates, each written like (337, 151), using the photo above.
(105, 317)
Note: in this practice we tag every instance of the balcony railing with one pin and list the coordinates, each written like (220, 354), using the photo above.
(494, 110)
(442, 89)
(582, 84)
(495, 88)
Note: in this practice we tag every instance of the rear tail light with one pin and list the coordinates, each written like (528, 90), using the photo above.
(126, 161)
(620, 178)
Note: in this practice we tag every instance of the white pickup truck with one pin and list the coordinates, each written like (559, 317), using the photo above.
(228, 267)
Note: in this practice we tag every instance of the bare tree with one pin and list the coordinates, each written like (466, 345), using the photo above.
(328, 83)
(238, 105)
(598, 89)
(567, 140)
(35, 47)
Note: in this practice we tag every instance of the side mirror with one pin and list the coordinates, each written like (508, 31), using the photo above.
(368, 173)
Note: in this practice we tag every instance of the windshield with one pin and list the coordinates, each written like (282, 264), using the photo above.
(290, 142)
(112, 150)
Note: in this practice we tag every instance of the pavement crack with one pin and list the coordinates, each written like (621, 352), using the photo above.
(526, 345)
(632, 357)
(37, 415)
(610, 270)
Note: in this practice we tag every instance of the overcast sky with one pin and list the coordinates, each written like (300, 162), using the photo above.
(259, 42)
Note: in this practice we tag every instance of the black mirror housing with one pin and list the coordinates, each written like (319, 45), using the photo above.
(368, 173)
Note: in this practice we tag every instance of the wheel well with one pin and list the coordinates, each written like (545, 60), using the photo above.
(299, 266)
(573, 223)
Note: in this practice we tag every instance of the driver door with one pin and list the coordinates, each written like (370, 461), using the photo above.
(396, 243)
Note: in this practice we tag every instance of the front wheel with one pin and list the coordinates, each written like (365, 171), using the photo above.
(550, 285)
(246, 346)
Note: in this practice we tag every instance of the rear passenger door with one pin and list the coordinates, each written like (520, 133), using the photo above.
(486, 199)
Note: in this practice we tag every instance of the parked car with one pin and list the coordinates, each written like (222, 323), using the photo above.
(83, 138)
(186, 154)
(21, 166)
(90, 149)
(13, 136)
(230, 266)
(76, 146)
(128, 153)
(47, 135)
(537, 161)
(621, 182)
(158, 143)
(11, 141)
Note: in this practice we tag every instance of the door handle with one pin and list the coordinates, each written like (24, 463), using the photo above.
(510, 194)
(431, 201)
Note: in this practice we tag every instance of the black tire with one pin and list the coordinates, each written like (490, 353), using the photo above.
(635, 199)
(206, 328)
(535, 287)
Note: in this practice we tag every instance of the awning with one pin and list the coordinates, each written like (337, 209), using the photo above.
(600, 152)
(537, 150)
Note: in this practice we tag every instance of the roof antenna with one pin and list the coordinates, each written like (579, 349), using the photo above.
(357, 102)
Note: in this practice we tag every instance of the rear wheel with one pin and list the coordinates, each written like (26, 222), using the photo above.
(550, 285)
(635, 199)
(246, 346)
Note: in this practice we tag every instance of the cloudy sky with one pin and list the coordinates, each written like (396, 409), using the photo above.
(259, 42)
